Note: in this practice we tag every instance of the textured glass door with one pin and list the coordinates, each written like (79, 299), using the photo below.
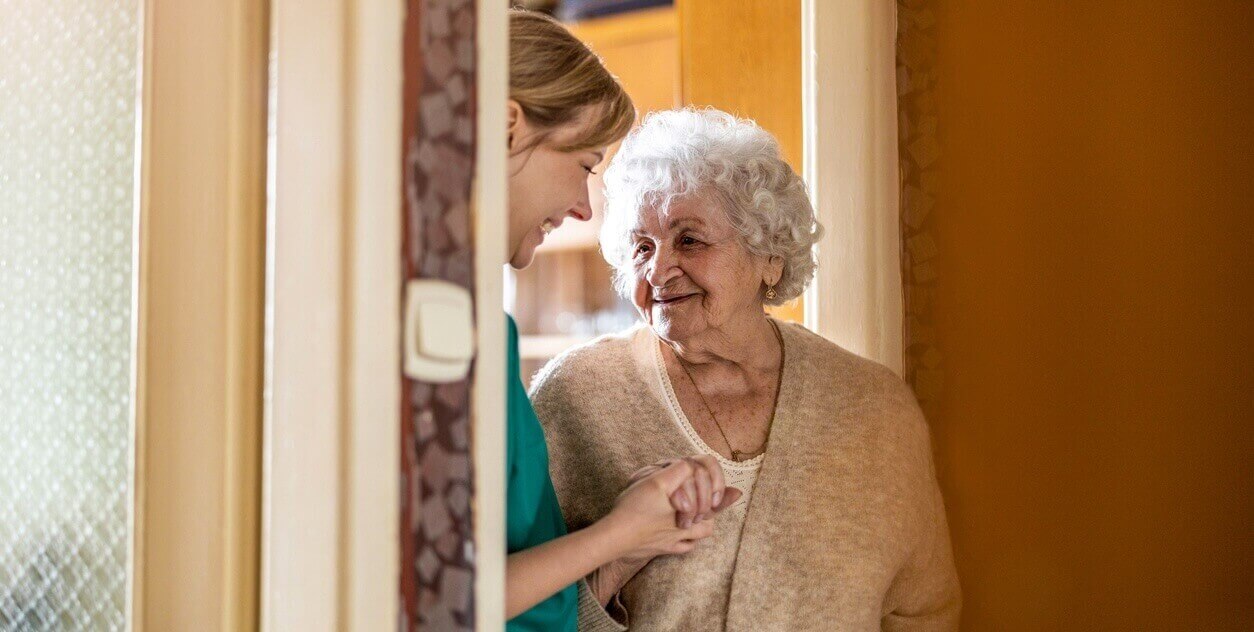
(68, 121)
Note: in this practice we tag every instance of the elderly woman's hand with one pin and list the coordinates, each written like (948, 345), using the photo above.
(645, 520)
(702, 495)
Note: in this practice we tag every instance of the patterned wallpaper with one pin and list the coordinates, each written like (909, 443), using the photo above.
(437, 545)
(918, 153)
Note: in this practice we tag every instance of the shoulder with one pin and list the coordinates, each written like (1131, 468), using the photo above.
(583, 379)
(819, 356)
(863, 406)
(589, 363)
(884, 401)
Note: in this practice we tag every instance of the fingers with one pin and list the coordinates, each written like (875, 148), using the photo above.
(673, 476)
(683, 507)
(689, 538)
(649, 470)
(689, 488)
(701, 480)
(695, 487)
(715, 471)
(680, 502)
(699, 531)
(730, 496)
(689, 514)
(641, 474)
(685, 519)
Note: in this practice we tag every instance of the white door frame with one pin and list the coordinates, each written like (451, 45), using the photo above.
(491, 200)
(307, 323)
(849, 104)
(332, 451)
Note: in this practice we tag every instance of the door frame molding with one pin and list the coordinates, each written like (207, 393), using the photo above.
(310, 356)
(491, 198)
(198, 314)
(849, 106)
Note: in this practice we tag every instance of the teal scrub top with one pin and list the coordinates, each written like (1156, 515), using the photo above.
(532, 515)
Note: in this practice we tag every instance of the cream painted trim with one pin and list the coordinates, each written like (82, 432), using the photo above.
(306, 326)
(849, 103)
(491, 206)
(304, 492)
(137, 559)
(198, 315)
(137, 562)
(371, 514)
(331, 541)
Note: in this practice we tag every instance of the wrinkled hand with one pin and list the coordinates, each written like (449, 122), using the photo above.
(644, 516)
(702, 495)
(666, 508)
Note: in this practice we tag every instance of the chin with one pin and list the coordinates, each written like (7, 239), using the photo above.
(521, 260)
(525, 254)
(668, 327)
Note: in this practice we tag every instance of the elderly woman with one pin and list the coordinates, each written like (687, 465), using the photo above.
(840, 525)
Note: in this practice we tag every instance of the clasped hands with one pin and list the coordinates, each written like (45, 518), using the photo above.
(665, 509)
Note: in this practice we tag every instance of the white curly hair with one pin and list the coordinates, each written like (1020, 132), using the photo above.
(677, 153)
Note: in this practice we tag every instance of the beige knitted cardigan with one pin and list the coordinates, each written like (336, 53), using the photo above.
(845, 528)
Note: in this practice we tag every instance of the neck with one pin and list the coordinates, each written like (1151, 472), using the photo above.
(748, 343)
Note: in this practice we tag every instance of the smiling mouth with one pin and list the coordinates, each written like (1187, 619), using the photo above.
(672, 299)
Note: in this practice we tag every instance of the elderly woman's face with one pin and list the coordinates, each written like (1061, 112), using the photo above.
(691, 273)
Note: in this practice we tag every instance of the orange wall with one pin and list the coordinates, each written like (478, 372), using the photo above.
(1094, 310)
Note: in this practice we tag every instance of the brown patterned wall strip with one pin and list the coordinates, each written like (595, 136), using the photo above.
(437, 545)
(918, 153)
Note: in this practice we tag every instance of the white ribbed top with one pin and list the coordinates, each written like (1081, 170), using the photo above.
(738, 474)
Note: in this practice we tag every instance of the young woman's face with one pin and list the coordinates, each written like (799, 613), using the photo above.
(545, 185)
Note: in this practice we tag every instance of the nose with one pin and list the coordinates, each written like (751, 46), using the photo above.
(582, 210)
(662, 268)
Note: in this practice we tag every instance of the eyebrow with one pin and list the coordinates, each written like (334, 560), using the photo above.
(688, 220)
(695, 221)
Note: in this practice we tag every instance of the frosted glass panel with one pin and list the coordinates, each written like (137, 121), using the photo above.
(67, 164)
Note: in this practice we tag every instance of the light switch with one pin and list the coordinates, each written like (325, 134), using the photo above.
(439, 331)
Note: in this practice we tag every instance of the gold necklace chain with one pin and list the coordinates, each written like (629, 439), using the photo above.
(737, 455)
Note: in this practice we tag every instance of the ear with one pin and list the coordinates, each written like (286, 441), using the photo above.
(774, 270)
(517, 123)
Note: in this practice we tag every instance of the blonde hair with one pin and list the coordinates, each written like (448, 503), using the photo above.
(553, 76)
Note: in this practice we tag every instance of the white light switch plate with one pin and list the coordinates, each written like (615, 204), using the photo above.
(439, 331)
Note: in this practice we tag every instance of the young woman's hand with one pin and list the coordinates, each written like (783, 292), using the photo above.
(643, 514)
(674, 492)
(701, 496)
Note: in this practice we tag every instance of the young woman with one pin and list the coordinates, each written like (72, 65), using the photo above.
(564, 110)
